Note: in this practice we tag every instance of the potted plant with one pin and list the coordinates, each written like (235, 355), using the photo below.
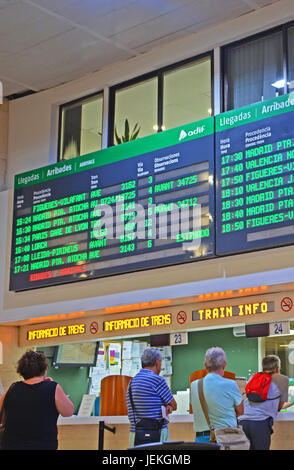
(128, 135)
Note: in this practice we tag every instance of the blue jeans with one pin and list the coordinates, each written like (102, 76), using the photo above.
(200, 438)
(258, 432)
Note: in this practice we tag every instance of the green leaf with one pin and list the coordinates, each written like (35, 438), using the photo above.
(127, 131)
(134, 136)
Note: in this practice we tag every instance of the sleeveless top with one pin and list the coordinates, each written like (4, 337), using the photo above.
(31, 417)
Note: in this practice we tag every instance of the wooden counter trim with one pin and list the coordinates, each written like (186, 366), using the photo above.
(175, 418)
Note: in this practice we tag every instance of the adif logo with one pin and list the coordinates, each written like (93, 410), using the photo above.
(198, 130)
(183, 134)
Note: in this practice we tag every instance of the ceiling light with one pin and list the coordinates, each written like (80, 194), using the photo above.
(279, 84)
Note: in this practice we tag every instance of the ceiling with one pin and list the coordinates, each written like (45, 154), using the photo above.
(44, 43)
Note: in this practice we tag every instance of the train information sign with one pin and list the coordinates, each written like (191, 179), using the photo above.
(144, 204)
(255, 177)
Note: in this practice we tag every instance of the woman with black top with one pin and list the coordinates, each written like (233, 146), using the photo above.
(30, 408)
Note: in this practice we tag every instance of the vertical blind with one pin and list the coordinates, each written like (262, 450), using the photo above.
(251, 69)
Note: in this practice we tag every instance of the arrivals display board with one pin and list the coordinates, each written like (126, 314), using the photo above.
(144, 204)
(254, 176)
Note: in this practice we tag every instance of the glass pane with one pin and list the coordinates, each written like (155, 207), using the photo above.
(187, 94)
(138, 105)
(291, 58)
(254, 71)
(81, 128)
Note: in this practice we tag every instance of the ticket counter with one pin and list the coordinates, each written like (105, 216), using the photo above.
(83, 433)
(206, 321)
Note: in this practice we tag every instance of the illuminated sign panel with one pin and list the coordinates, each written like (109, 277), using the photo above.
(233, 173)
(118, 210)
(138, 322)
(255, 182)
(229, 311)
(56, 332)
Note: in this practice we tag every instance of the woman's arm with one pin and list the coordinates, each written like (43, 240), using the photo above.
(63, 404)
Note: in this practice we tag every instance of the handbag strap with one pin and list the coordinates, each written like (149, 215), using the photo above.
(203, 403)
(132, 401)
(160, 421)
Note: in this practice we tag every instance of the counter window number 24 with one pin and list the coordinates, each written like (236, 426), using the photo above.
(280, 328)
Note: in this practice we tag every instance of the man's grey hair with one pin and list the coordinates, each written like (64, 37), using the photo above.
(149, 357)
(270, 363)
(215, 358)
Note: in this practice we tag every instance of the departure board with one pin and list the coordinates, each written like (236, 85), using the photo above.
(254, 176)
(144, 204)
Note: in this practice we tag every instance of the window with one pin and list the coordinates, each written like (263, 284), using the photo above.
(80, 127)
(167, 98)
(187, 94)
(290, 49)
(138, 105)
(254, 70)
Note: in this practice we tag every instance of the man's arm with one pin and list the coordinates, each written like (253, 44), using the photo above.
(239, 409)
(171, 406)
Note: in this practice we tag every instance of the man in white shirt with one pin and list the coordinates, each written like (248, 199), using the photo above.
(223, 398)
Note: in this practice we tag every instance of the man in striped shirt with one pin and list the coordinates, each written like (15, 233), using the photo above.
(150, 393)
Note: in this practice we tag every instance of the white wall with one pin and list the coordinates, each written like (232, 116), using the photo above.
(33, 123)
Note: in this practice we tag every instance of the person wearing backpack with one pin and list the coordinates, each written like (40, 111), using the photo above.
(266, 395)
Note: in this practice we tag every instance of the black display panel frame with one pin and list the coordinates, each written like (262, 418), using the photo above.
(254, 177)
(62, 363)
(52, 246)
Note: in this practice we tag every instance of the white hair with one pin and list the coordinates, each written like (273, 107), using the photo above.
(215, 358)
(149, 357)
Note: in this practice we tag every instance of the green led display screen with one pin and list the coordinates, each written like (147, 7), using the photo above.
(219, 186)
(144, 204)
(254, 176)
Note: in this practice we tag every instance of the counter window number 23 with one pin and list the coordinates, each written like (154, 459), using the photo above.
(178, 338)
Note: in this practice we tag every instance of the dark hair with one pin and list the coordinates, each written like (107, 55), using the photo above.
(32, 364)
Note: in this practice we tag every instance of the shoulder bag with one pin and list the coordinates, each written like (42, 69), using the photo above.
(228, 438)
(147, 430)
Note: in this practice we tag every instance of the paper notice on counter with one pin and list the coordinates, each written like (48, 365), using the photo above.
(164, 415)
(127, 350)
(127, 367)
(136, 366)
(87, 405)
(143, 346)
(101, 360)
(136, 349)
(96, 376)
(114, 358)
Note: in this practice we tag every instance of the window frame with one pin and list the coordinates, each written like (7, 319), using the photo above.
(73, 103)
(283, 28)
(159, 74)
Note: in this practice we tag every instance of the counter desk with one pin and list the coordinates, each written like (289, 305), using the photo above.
(112, 432)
